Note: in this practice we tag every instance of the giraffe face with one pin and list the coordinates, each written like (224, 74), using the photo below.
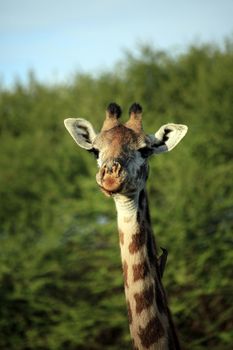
(122, 150)
(122, 166)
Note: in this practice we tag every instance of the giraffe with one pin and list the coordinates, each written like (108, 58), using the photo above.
(122, 152)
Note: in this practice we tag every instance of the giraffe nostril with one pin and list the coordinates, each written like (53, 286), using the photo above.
(103, 171)
(118, 169)
(114, 168)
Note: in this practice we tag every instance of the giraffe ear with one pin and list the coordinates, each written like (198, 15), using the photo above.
(82, 132)
(167, 137)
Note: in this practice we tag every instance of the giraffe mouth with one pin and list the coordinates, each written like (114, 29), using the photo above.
(110, 185)
(111, 192)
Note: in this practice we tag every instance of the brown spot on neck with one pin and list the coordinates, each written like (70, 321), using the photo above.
(125, 273)
(121, 237)
(151, 333)
(138, 241)
(129, 313)
(140, 271)
(144, 299)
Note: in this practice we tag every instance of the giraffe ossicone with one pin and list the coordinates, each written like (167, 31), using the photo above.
(122, 152)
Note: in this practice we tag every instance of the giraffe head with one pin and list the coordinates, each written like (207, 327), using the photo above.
(122, 150)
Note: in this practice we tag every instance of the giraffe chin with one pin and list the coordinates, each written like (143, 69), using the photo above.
(110, 193)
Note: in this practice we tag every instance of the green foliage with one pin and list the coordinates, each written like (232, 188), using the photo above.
(60, 275)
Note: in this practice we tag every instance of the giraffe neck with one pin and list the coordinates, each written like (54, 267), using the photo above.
(150, 322)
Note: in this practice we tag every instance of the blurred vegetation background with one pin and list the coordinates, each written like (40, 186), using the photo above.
(61, 284)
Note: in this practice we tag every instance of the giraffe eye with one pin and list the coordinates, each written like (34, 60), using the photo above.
(95, 152)
(145, 152)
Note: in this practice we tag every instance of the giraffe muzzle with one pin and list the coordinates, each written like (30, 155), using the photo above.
(111, 177)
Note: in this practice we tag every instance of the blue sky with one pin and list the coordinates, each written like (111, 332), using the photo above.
(57, 38)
